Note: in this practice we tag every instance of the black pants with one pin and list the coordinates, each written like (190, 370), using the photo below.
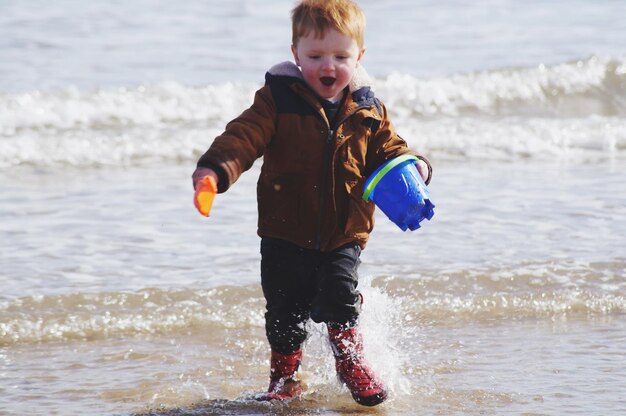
(300, 283)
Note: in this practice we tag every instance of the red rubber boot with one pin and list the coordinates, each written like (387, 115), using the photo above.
(284, 383)
(347, 346)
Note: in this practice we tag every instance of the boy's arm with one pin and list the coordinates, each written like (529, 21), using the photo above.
(243, 141)
(387, 144)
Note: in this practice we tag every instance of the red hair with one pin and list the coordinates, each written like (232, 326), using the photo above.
(318, 16)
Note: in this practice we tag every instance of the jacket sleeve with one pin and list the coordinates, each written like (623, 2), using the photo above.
(386, 144)
(243, 141)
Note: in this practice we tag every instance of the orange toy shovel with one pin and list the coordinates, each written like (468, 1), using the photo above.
(206, 188)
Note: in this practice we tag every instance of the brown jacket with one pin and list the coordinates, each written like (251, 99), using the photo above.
(313, 174)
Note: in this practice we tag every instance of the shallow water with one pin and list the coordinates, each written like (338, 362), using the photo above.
(120, 298)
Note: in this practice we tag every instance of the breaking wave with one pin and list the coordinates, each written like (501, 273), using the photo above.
(567, 110)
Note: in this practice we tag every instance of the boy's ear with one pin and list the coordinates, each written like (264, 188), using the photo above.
(361, 54)
(294, 51)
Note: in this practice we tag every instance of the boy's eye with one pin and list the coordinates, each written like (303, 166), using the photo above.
(341, 57)
(314, 57)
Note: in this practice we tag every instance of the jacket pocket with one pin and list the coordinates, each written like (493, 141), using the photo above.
(279, 198)
(360, 218)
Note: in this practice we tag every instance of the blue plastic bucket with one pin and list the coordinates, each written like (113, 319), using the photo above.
(399, 191)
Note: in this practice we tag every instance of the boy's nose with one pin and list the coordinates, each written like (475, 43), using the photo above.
(328, 64)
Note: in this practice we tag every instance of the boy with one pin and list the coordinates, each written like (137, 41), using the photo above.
(321, 132)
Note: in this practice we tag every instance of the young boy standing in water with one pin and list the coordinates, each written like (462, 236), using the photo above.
(321, 132)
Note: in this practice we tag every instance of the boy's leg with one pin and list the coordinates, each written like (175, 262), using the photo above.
(337, 300)
(338, 303)
(286, 279)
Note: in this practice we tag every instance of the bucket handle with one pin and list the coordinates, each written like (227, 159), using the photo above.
(379, 175)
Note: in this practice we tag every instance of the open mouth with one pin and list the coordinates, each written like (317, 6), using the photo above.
(328, 81)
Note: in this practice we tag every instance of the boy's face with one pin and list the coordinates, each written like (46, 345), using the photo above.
(327, 63)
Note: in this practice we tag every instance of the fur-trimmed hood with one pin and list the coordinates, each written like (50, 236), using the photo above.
(360, 78)
(359, 87)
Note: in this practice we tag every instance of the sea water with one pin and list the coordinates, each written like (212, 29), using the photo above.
(118, 298)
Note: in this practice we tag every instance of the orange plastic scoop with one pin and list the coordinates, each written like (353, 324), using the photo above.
(206, 188)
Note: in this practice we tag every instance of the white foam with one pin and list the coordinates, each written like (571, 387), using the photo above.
(579, 88)
(159, 104)
(507, 138)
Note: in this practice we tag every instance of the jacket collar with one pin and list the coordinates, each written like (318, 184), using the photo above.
(359, 87)
(360, 78)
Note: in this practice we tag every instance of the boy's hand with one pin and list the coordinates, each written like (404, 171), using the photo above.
(422, 168)
(205, 184)
(200, 173)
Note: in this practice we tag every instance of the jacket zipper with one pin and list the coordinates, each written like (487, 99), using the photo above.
(325, 168)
